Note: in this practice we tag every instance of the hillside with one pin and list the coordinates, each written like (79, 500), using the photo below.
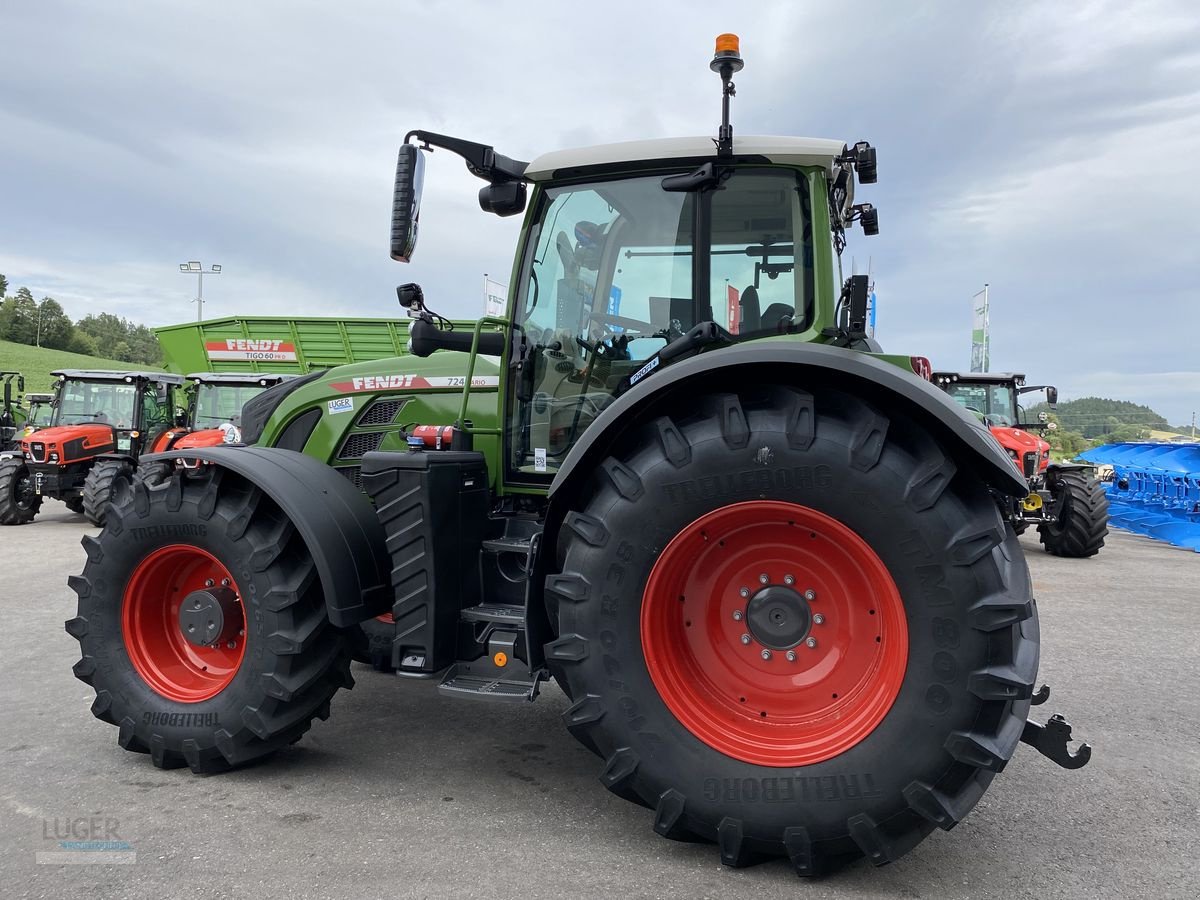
(36, 363)
(1095, 417)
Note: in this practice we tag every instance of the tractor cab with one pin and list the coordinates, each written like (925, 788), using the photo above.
(994, 398)
(12, 417)
(214, 412)
(41, 409)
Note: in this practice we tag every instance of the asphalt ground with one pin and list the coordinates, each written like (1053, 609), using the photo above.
(404, 794)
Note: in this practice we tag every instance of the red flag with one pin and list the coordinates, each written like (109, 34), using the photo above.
(734, 308)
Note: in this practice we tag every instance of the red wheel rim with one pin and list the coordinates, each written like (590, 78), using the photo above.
(171, 665)
(705, 595)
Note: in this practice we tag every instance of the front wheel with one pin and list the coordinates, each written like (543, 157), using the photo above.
(202, 625)
(19, 502)
(105, 483)
(790, 626)
(1081, 517)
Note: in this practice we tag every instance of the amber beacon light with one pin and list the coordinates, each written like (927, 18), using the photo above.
(728, 54)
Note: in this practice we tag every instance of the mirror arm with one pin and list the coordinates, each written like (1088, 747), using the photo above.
(482, 161)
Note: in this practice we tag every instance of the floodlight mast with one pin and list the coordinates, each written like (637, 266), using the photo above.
(197, 268)
(725, 62)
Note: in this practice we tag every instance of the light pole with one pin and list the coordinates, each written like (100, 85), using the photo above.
(196, 268)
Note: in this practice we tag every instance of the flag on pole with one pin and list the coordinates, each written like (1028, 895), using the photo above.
(980, 338)
(494, 297)
(733, 308)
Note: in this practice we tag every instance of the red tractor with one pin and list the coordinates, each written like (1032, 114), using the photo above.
(1065, 500)
(104, 420)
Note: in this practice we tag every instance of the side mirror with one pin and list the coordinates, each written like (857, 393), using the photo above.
(406, 201)
(162, 394)
(20, 384)
(1052, 396)
(181, 418)
(504, 199)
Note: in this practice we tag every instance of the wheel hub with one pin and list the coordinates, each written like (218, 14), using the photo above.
(209, 616)
(778, 617)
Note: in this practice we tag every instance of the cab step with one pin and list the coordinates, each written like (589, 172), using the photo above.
(481, 681)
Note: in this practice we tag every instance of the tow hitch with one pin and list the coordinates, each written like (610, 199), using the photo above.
(1051, 739)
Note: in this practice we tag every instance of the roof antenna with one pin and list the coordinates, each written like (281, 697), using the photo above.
(726, 61)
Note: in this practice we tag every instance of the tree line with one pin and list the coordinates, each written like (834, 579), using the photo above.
(44, 323)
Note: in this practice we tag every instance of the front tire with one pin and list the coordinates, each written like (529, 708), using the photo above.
(105, 483)
(18, 502)
(272, 661)
(915, 689)
(1082, 517)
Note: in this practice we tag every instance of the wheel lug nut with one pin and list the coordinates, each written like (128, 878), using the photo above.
(789, 579)
(737, 615)
(818, 619)
(763, 579)
(791, 656)
(766, 654)
(745, 638)
(745, 592)
(232, 645)
(811, 642)
(208, 582)
(225, 582)
(810, 595)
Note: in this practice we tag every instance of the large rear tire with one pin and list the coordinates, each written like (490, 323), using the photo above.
(18, 502)
(272, 662)
(105, 483)
(691, 647)
(1082, 517)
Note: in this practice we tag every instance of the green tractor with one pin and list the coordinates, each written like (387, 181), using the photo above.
(765, 563)
(12, 416)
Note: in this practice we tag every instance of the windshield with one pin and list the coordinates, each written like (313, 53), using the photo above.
(994, 403)
(610, 277)
(104, 402)
(39, 413)
(218, 403)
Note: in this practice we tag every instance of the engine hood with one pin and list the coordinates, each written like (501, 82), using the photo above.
(1018, 439)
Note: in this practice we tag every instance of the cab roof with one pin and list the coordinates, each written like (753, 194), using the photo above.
(980, 377)
(117, 375)
(796, 151)
(266, 379)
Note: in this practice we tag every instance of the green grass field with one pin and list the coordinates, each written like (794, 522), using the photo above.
(36, 363)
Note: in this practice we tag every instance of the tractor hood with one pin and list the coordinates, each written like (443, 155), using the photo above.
(1019, 440)
(208, 437)
(69, 443)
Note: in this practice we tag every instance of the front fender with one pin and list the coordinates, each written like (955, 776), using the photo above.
(878, 382)
(337, 522)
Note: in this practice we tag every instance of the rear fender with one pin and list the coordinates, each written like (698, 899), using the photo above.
(337, 522)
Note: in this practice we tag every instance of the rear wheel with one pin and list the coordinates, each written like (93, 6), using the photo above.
(108, 479)
(19, 503)
(1081, 510)
(202, 625)
(789, 627)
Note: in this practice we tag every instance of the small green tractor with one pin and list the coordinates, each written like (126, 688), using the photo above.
(12, 415)
(1065, 501)
(768, 565)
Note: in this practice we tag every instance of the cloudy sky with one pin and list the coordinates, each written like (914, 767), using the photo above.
(1050, 149)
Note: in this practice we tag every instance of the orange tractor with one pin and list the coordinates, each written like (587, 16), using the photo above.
(1065, 500)
(103, 421)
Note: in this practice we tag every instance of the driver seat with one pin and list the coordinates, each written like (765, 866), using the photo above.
(751, 316)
